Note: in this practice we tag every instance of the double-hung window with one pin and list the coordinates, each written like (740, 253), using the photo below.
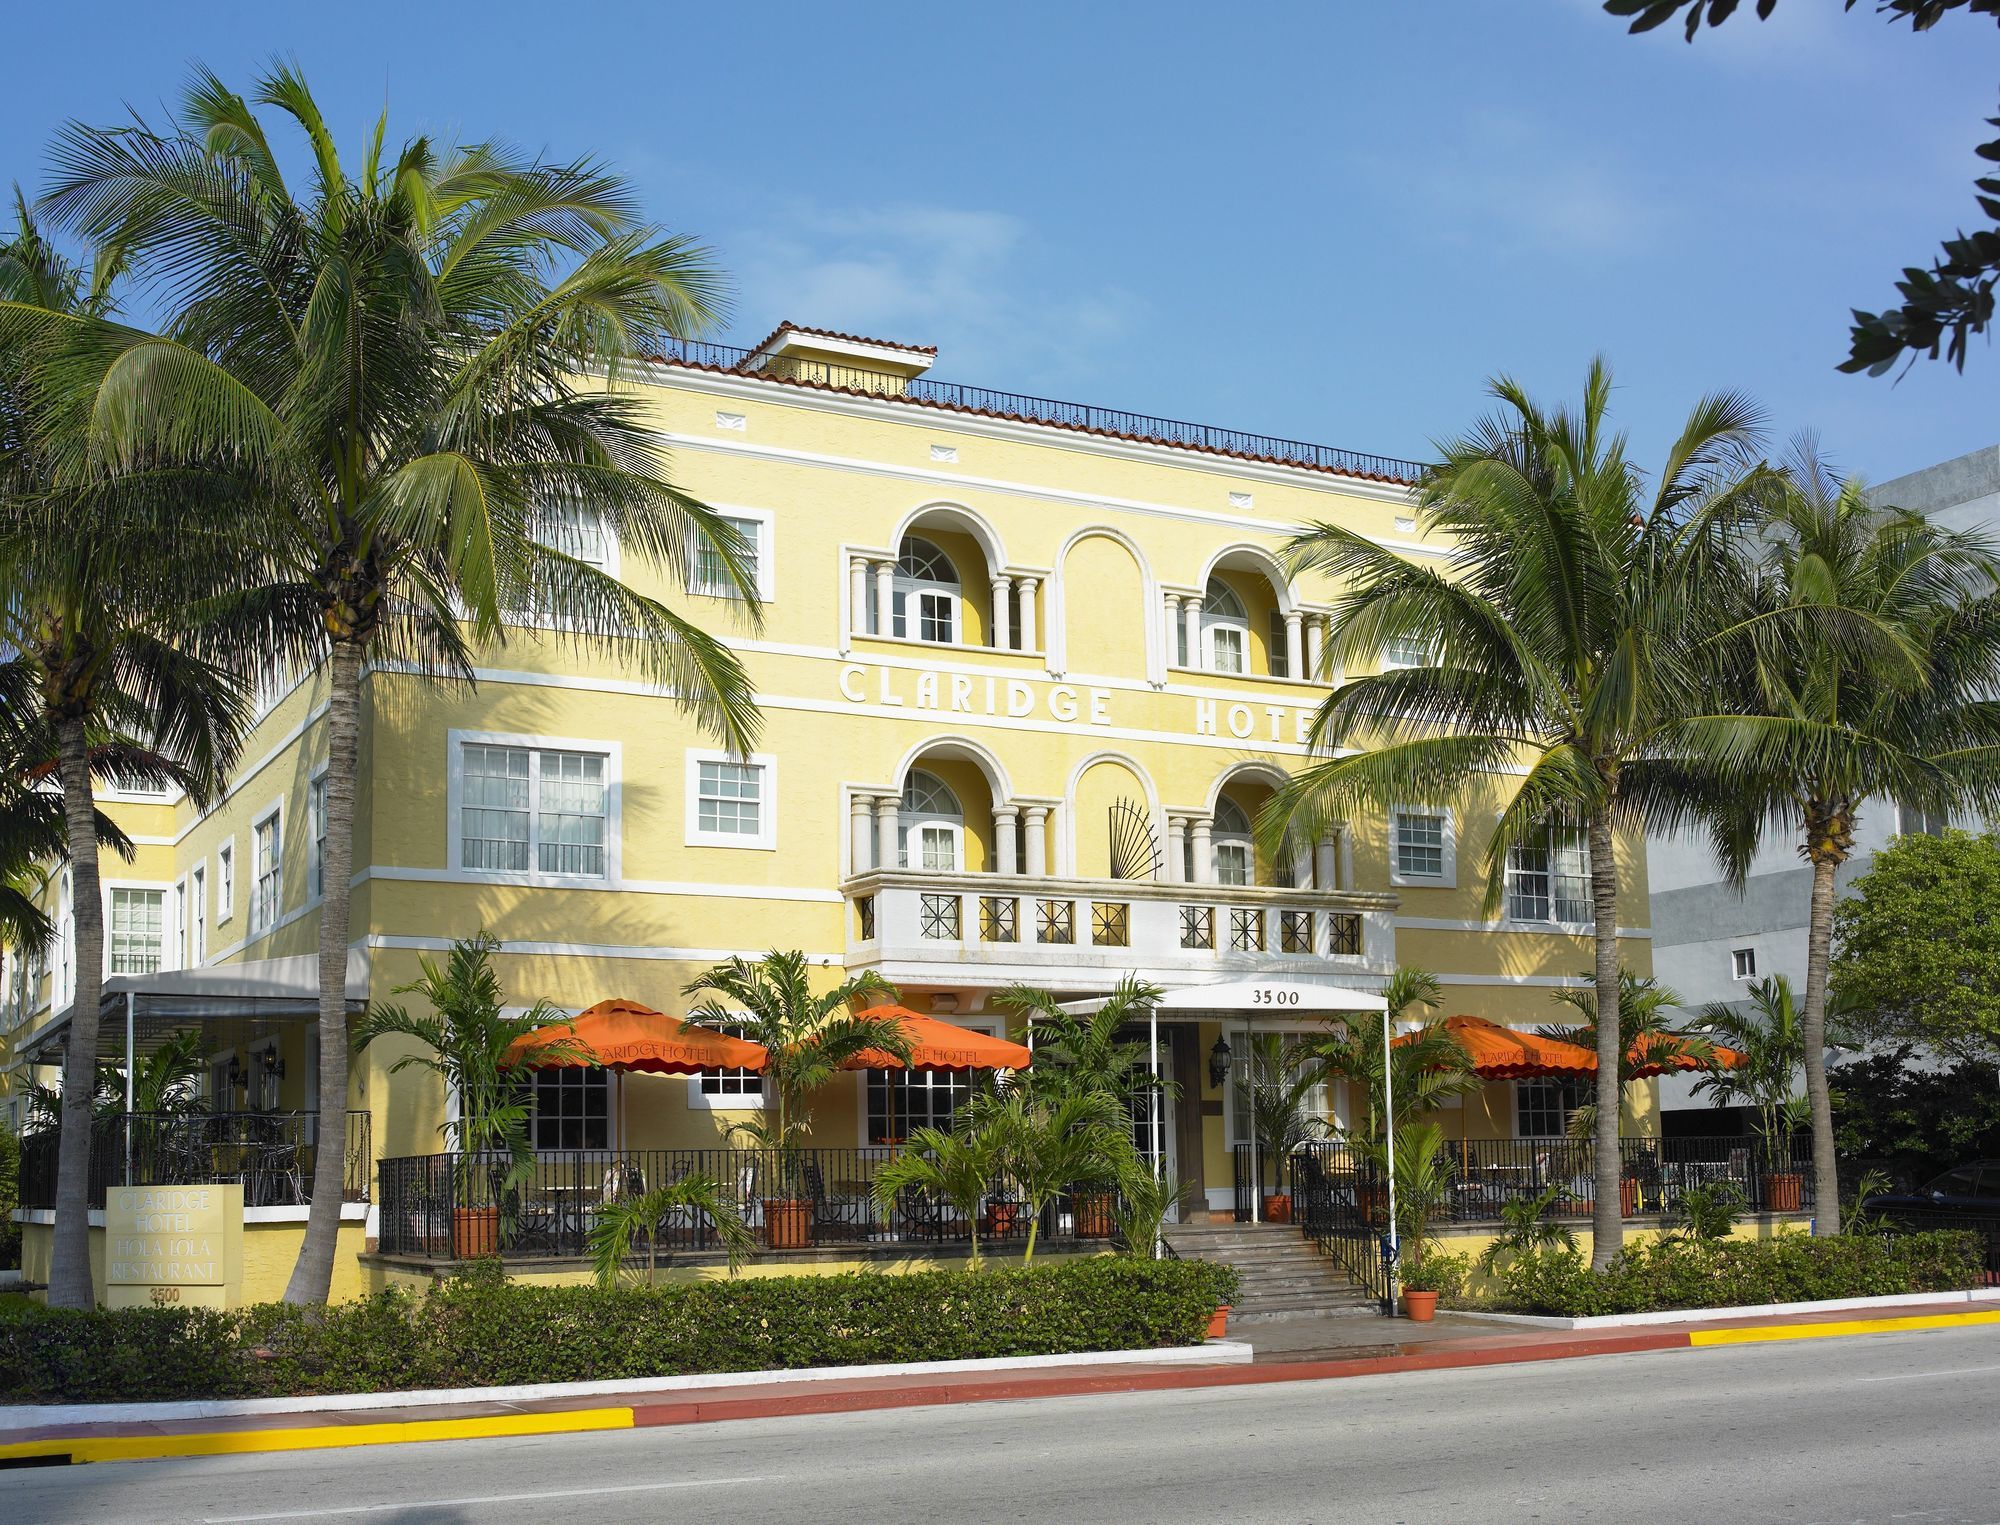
(267, 844)
(138, 925)
(198, 888)
(926, 593)
(711, 572)
(1407, 651)
(1548, 879)
(1235, 852)
(1422, 843)
(1225, 629)
(225, 881)
(731, 800)
(729, 1088)
(534, 810)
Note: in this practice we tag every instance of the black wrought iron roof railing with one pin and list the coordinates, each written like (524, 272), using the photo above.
(1115, 422)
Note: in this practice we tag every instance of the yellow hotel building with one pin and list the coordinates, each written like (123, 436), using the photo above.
(1027, 672)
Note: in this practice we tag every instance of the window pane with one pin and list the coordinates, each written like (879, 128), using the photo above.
(494, 825)
(711, 575)
(570, 813)
(1420, 845)
(732, 1082)
(1232, 863)
(137, 919)
(729, 798)
(1228, 649)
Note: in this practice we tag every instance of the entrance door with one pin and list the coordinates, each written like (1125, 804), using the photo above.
(1140, 1111)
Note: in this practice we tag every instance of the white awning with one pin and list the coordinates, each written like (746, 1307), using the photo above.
(1271, 998)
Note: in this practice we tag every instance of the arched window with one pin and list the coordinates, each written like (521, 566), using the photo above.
(1235, 857)
(926, 593)
(933, 824)
(1225, 630)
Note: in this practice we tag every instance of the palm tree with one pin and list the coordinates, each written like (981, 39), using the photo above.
(98, 580)
(959, 1165)
(1088, 1053)
(1430, 1066)
(642, 1217)
(1561, 629)
(1054, 1144)
(388, 378)
(1770, 1037)
(1860, 666)
(1646, 1037)
(808, 1037)
(477, 1051)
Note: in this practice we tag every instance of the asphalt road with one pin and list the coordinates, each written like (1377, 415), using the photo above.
(1902, 1427)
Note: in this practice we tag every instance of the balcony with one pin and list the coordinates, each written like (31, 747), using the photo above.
(911, 926)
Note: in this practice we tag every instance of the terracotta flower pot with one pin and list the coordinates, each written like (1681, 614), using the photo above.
(787, 1224)
(1278, 1208)
(1002, 1217)
(1373, 1201)
(1218, 1323)
(1628, 1198)
(1096, 1214)
(475, 1231)
(1784, 1193)
(1421, 1307)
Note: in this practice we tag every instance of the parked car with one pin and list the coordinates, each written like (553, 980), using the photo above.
(1973, 1188)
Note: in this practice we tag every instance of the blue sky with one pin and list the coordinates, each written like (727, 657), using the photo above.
(1327, 222)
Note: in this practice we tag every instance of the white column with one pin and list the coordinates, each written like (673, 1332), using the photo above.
(1346, 857)
(857, 596)
(1176, 859)
(887, 848)
(1302, 865)
(1003, 619)
(1315, 645)
(861, 820)
(885, 597)
(1172, 603)
(1005, 818)
(1326, 864)
(1037, 835)
(1295, 652)
(1191, 613)
(1028, 641)
(1204, 852)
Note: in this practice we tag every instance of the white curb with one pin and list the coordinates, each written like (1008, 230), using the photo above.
(1986, 1297)
(26, 1415)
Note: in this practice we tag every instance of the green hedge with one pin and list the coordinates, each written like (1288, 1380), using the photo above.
(481, 1331)
(1726, 1273)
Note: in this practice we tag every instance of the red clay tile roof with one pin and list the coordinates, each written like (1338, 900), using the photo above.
(830, 333)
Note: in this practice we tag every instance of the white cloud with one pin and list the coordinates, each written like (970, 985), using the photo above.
(997, 300)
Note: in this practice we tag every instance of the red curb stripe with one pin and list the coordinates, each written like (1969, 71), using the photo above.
(714, 1410)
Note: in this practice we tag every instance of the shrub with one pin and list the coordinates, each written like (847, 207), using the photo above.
(479, 1331)
(1722, 1273)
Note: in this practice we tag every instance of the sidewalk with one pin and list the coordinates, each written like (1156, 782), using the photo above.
(1285, 1351)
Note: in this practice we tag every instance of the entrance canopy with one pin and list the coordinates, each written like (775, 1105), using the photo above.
(1254, 998)
(231, 1004)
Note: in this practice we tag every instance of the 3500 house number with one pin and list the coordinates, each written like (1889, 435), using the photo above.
(1262, 997)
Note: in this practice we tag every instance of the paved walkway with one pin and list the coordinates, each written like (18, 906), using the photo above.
(1288, 1350)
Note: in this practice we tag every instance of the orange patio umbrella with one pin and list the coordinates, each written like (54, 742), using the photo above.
(623, 1035)
(936, 1045)
(1504, 1053)
(1664, 1054)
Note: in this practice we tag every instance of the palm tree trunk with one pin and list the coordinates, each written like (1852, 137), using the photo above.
(1607, 1224)
(70, 1284)
(312, 1276)
(1812, 1020)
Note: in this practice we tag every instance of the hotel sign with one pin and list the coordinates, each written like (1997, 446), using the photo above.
(1068, 703)
(173, 1245)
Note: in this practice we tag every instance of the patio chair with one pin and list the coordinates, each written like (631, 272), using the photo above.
(833, 1217)
(918, 1215)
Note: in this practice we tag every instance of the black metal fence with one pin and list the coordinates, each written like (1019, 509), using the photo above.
(1046, 410)
(272, 1155)
(1920, 1220)
(454, 1207)
(1487, 1174)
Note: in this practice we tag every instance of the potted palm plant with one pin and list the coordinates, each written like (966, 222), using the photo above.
(1073, 1141)
(468, 1037)
(1282, 1077)
(1769, 1039)
(808, 1038)
(1424, 1175)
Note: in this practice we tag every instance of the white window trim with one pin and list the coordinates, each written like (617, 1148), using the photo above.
(1551, 922)
(767, 581)
(273, 811)
(991, 1026)
(1448, 879)
(315, 869)
(613, 563)
(1735, 965)
(105, 887)
(766, 839)
(613, 754)
(198, 914)
(1396, 664)
(225, 884)
(179, 940)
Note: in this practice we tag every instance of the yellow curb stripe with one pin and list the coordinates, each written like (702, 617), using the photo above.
(82, 1448)
(1760, 1333)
